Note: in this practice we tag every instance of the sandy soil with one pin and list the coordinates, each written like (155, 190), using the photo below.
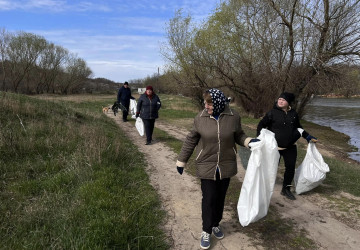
(181, 199)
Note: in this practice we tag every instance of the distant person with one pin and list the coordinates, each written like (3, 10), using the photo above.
(123, 97)
(284, 122)
(215, 131)
(147, 108)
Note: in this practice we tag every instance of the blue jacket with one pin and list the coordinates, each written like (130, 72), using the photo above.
(148, 108)
(124, 96)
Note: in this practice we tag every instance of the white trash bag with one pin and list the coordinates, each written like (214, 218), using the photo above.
(133, 108)
(139, 124)
(259, 181)
(311, 172)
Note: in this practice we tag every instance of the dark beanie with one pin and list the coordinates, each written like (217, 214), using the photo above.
(126, 83)
(289, 97)
(218, 99)
(149, 87)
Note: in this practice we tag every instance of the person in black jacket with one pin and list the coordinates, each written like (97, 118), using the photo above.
(123, 97)
(284, 122)
(147, 108)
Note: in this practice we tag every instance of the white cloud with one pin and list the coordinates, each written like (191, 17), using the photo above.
(125, 41)
(111, 56)
(6, 5)
(32, 4)
(53, 5)
(147, 24)
(124, 70)
(195, 8)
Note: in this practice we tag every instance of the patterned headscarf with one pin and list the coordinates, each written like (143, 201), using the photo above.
(219, 101)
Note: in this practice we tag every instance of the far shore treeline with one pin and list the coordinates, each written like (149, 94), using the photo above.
(251, 50)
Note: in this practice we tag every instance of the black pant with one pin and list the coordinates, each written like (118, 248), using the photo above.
(213, 198)
(289, 155)
(149, 128)
(125, 112)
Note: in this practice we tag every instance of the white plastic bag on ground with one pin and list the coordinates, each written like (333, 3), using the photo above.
(311, 172)
(259, 181)
(139, 124)
(133, 108)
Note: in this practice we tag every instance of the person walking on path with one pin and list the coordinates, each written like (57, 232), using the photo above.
(123, 97)
(215, 131)
(147, 108)
(284, 122)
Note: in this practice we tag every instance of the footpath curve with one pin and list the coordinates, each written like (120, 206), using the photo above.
(181, 199)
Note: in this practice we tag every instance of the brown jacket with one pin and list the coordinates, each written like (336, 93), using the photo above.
(215, 144)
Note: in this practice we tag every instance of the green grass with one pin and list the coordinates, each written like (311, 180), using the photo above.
(343, 176)
(70, 179)
(272, 232)
(177, 107)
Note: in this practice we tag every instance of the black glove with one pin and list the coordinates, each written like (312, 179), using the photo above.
(253, 140)
(137, 115)
(311, 138)
(180, 169)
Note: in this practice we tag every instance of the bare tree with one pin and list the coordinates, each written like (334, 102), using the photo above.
(182, 55)
(259, 48)
(23, 51)
(49, 67)
(4, 42)
(74, 75)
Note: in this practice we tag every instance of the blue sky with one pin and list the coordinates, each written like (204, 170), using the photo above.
(119, 39)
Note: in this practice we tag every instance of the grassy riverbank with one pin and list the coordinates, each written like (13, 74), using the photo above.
(70, 179)
(274, 231)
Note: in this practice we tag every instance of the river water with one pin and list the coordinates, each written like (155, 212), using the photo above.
(340, 114)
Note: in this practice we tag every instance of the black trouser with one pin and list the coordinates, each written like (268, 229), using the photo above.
(213, 198)
(125, 112)
(289, 155)
(149, 128)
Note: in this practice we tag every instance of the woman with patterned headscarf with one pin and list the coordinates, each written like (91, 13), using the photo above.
(215, 132)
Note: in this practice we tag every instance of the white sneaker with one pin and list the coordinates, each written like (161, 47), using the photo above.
(205, 240)
(217, 232)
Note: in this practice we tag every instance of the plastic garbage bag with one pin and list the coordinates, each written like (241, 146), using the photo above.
(311, 172)
(244, 154)
(139, 124)
(259, 181)
(133, 108)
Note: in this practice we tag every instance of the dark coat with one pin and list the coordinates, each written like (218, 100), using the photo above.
(148, 108)
(284, 125)
(214, 141)
(124, 96)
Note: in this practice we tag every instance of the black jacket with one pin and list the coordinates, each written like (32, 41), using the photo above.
(148, 108)
(284, 125)
(124, 96)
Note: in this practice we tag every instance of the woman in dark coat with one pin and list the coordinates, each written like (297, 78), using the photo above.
(284, 122)
(147, 108)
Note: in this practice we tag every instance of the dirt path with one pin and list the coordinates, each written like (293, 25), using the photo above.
(181, 198)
